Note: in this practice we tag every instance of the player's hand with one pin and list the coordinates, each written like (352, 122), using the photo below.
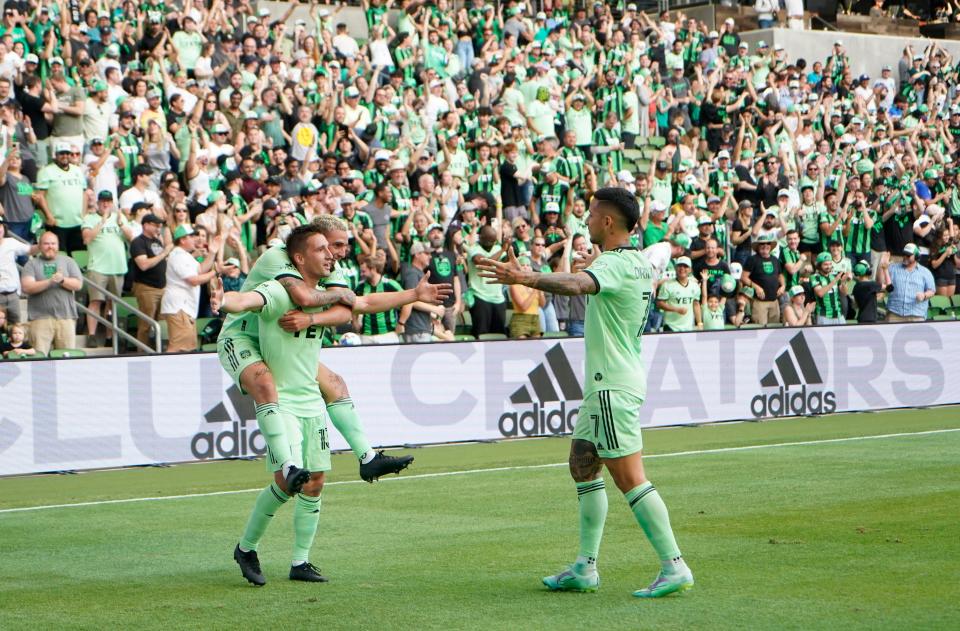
(295, 320)
(432, 294)
(506, 272)
(216, 295)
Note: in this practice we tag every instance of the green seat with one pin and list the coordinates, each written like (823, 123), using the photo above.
(657, 141)
(940, 305)
(22, 357)
(68, 352)
(464, 337)
(632, 154)
(556, 334)
(643, 167)
(492, 336)
(651, 152)
(206, 348)
(774, 325)
(729, 327)
(752, 325)
(944, 317)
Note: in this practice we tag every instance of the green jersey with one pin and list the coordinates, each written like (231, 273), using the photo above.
(488, 292)
(809, 226)
(829, 305)
(789, 256)
(552, 197)
(713, 320)
(64, 193)
(292, 357)
(858, 241)
(484, 173)
(826, 217)
(604, 137)
(615, 318)
(108, 250)
(129, 146)
(385, 321)
(678, 295)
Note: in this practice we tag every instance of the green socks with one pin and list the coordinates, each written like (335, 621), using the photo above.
(269, 500)
(306, 517)
(344, 417)
(592, 496)
(271, 428)
(652, 515)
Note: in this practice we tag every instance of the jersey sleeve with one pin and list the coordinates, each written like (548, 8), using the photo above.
(607, 272)
(336, 279)
(276, 264)
(276, 302)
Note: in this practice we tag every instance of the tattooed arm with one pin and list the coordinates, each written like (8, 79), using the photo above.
(305, 296)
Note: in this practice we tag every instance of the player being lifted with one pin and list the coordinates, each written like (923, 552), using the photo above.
(302, 416)
(239, 352)
(619, 283)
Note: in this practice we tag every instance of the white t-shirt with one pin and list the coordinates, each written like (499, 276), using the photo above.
(180, 295)
(659, 256)
(133, 195)
(106, 178)
(10, 249)
(346, 45)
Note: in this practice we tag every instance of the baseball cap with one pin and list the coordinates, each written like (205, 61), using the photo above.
(153, 94)
(683, 260)
(151, 218)
(783, 193)
(62, 147)
(347, 198)
(657, 207)
(626, 176)
(31, 59)
(723, 154)
(233, 261)
(713, 199)
(434, 226)
(705, 220)
(861, 269)
(351, 92)
(823, 257)
(911, 249)
(99, 86)
(681, 239)
(797, 290)
(105, 196)
(418, 248)
(183, 230)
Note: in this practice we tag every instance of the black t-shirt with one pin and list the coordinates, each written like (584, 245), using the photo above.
(443, 269)
(32, 107)
(769, 187)
(716, 271)
(418, 321)
(156, 276)
(865, 295)
(766, 273)
(509, 187)
(898, 232)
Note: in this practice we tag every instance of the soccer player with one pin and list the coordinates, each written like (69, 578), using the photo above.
(293, 359)
(619, 283)
(239, 352)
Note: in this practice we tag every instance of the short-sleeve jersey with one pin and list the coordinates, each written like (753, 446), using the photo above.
(677, 295)
(292, 357)
(273, 264)
(614, 321)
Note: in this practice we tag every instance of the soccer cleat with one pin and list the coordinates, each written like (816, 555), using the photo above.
(307, 572)
(249, 566)
(570, 581)
(666, 584)
(296, 478)
(382, 465)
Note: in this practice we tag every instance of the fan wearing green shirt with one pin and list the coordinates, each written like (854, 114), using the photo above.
(608, 147)
(106, 234)
(679, 299)
(827, 286)
(62, 200)
(619, 284)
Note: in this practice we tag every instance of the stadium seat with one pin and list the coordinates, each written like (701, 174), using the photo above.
(492, 336)
(632, 154)
(940, 305)
(657, 141)
(556, 334)
(21, 357)
(68, 352)
(751, 326)
(464, 337)
(944, 317)
(82, 258)
(774, 325)
(206, 348)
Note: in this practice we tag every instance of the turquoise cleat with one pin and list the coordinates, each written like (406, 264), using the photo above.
(570, 581)
(666, 584)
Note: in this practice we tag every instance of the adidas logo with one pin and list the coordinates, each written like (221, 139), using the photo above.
(545, 412)
(793, 367)
(234, 442)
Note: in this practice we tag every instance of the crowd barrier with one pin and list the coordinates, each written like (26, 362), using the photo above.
(108, 412)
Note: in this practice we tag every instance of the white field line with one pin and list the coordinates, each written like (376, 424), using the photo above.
(421, 476)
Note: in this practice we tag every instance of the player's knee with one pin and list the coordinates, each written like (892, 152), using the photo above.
(315, 485)
(585, 463)
(260, 383)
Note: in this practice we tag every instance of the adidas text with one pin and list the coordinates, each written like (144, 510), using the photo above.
(231, 443)
(783, 402)
(538, 421)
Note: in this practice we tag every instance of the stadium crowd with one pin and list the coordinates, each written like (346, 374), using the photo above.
(158, 145)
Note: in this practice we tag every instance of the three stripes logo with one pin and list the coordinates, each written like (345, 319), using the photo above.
(235, 441)
(794, 368)
(545, 410)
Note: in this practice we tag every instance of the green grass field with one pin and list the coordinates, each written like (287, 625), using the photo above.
(844, 534)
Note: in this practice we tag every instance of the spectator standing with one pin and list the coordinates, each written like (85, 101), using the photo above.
(62, 186)
(10, 250)
(797, 312)
(141, 191)
(828, 285)
(527, 303)
(867, 290)
(15, 196)
(68, 104)
(382, 327)
(181, 298)
(762, 271)
(443, 269)
(679, 299)
(913, 286)
(149, 256)
(106, 234)
(50, 281)
(489, 311)
(416, 319)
